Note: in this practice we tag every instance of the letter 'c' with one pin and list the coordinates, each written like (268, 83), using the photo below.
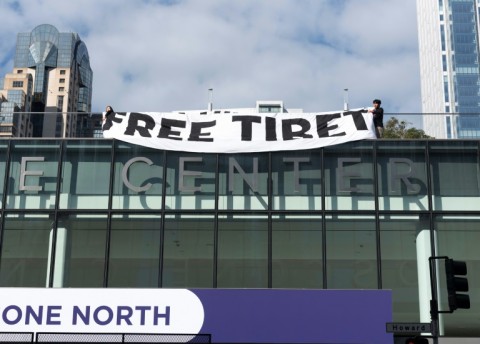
(125, 174)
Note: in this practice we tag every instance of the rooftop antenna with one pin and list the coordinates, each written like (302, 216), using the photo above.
(210, 97)
(345, 99)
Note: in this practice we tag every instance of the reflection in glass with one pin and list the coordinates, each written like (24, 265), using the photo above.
(3, 165)
(243, 181)
(399, 264)
(351, 252)
(86, 175)
(402, 175)
(455, 175)
(297, 183)
(349, 182)
(297, 252)
(190, 181)
(242, 251)
(85, 249)
(138, 177)
(134, 260)
(24, 256)
(458, 238)
(33, 175)
(188, 251)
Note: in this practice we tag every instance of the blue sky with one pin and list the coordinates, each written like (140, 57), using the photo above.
(164, 55)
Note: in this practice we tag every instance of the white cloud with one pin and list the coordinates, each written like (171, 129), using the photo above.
(147, 56)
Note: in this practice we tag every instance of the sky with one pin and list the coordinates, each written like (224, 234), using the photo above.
(164, 55)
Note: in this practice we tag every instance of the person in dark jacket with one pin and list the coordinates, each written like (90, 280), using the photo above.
(377, 113)
(107, 118)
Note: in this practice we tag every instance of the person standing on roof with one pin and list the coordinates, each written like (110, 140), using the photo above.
(377, 112)
(107, 118)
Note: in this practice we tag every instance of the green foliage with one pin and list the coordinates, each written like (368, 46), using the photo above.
(395, 129)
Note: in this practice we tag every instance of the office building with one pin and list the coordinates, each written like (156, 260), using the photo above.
(448, 34)
(50, 86)
(100, 213)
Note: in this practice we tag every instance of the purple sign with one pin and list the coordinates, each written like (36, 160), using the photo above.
(296, 316)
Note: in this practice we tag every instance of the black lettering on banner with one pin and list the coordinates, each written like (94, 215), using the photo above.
(287, 128)
(247, 125)
(322, 125)
(166, 131)
(133, 124)
(113, 118)
(270, 129)
(357, 119)
(196, 131)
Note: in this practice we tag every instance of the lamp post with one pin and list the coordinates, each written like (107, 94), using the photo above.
(345, 99)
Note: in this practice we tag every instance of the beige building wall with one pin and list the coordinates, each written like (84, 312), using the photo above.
(20, 79)
(61, 100)
(431, 75)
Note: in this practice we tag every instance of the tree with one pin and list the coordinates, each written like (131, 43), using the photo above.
(395, 129)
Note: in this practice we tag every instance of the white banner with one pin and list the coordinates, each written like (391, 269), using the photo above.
(100, 310)
(239, 132)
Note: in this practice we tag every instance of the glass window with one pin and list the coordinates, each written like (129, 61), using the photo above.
(134, 260)
(297, 251)
(190, 181)
(349, 176)
(62, 81)
(243, 180)
(17, 84)
(454, 173)
(297, 180)
(33, 175)
(351, 252)
(138, 177)
(188, 251)
(80, 248)
(242, 251)
(403, 239)
(60, 104)
(402, 175)
(270, 108)
(86, 174)
(3, 166)
(25, 249)
(458, 238)
(62, 71)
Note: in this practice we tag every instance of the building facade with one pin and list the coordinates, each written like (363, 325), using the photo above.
(50, 87)
(101, 213)
(448, 34)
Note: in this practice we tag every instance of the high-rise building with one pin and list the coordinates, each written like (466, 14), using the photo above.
(50, 84)
(448, 34)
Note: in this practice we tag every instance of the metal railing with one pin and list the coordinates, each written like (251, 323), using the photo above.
(89, 124)
(64, 337)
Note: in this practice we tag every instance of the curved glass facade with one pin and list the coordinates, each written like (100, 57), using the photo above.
(362, 215)
(59, 65)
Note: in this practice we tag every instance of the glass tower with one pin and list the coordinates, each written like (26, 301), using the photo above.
(448, 32)
(59, 66)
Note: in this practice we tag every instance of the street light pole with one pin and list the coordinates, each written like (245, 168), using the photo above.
(345, 99)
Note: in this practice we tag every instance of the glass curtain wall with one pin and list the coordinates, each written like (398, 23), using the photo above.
(362, 215)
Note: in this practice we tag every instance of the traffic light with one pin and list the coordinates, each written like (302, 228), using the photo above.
(417, 340)
(454, 268)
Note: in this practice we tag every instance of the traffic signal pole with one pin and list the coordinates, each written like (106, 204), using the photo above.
(455, 284)
(434, 300)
